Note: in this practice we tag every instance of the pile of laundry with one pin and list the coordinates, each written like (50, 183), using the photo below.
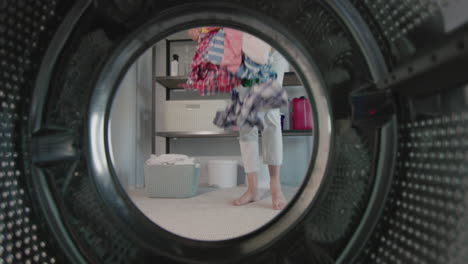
(170, 159)
(227, 58)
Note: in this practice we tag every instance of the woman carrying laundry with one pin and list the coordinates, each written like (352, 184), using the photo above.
(234, 58)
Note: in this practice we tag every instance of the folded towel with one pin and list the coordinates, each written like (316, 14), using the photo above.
(170, 159)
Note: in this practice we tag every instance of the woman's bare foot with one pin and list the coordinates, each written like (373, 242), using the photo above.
(247, 197)
(277, 197)
(278, 201)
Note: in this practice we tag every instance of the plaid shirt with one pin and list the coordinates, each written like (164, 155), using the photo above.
(208, 78)
(260, 98)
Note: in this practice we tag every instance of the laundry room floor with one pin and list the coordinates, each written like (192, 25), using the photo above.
(210, 214)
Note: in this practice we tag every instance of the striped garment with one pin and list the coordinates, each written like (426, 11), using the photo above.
(260, 98)
(215, 51)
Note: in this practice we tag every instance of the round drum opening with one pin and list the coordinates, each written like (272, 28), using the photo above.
(213, 161)
(102, 155)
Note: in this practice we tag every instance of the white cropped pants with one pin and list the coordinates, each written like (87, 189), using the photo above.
(272, 139)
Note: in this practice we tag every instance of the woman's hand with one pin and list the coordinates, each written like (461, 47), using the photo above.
(194, 33)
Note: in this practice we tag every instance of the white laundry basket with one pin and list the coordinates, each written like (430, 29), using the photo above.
(222, 173)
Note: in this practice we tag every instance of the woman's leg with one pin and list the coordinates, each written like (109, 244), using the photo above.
(272, 141)
(248, 141)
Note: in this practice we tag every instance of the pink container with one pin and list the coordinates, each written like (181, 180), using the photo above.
(301, 115)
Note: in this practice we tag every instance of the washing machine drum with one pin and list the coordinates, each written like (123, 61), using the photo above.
(390, 131)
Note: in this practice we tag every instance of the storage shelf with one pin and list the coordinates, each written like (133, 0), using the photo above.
(173, 82)
(291, 79)
(213, 134)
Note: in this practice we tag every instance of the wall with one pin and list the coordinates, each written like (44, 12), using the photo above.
(131, 125)
(144, 135)
(123, 129)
